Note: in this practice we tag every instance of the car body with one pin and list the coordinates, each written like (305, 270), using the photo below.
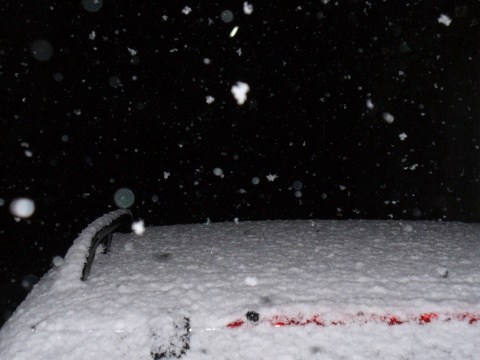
(303, 289)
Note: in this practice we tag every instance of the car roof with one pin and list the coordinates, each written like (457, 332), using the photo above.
(213, 274)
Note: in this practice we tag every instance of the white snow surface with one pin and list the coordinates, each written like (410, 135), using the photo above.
(213, 274)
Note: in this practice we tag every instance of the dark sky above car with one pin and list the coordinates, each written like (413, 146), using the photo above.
(355, 109)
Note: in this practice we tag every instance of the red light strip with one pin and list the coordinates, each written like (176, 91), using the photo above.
(360, 318)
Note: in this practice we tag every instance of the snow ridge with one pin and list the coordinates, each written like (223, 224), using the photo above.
(71, 270)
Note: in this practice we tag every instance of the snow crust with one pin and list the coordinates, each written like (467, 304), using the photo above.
(213, 274)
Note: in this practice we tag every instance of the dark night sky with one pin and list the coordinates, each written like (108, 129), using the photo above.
(94, 117)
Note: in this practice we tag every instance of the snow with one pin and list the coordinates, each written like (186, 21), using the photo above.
(352, 277)
(239, 92)
(247, 8)
(234, 31)
(22, 207)
(209, 99)
(138, 227)
(71, 270)
(389, 118)
(402, 136)
(445, 20)
(272, 177)
(132, 52)
(369, 104)
(186, 10)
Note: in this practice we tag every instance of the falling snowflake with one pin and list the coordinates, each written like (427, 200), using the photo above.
(132, 52)
(272, 177)
(138, 227)
(239, 92)
(389, 118)
(247, 8)
(234, 31)
(402, 136)
(370, 104)
(187, 10)
(445, 20)
(209, 99)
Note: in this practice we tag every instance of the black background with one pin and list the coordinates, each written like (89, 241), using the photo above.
(311, 68)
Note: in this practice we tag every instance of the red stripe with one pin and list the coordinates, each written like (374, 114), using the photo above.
(360, 318)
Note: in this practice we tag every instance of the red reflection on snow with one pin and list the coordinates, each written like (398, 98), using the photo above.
(359, 318)
(235, 324)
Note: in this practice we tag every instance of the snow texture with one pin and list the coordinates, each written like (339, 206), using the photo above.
(139, 296)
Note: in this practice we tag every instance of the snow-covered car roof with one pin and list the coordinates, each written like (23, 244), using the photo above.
(300, 289)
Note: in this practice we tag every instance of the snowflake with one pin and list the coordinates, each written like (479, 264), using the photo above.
(138, 227)
(445, 20)
(272, 177)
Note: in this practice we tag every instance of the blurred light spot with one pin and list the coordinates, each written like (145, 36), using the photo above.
(234, 31)
(218, 172)
(114, 82)
(297, 185)
(247, 8)
(389, 118)
(124, 198)
(57, 261)
(2, 202)
(28, 282)
(255, 180)
(370, 104)
(251, 281)
(22, 207)
(226, 16)
(58, 77)
(417, 212)
(41, 50)
(92, 5)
